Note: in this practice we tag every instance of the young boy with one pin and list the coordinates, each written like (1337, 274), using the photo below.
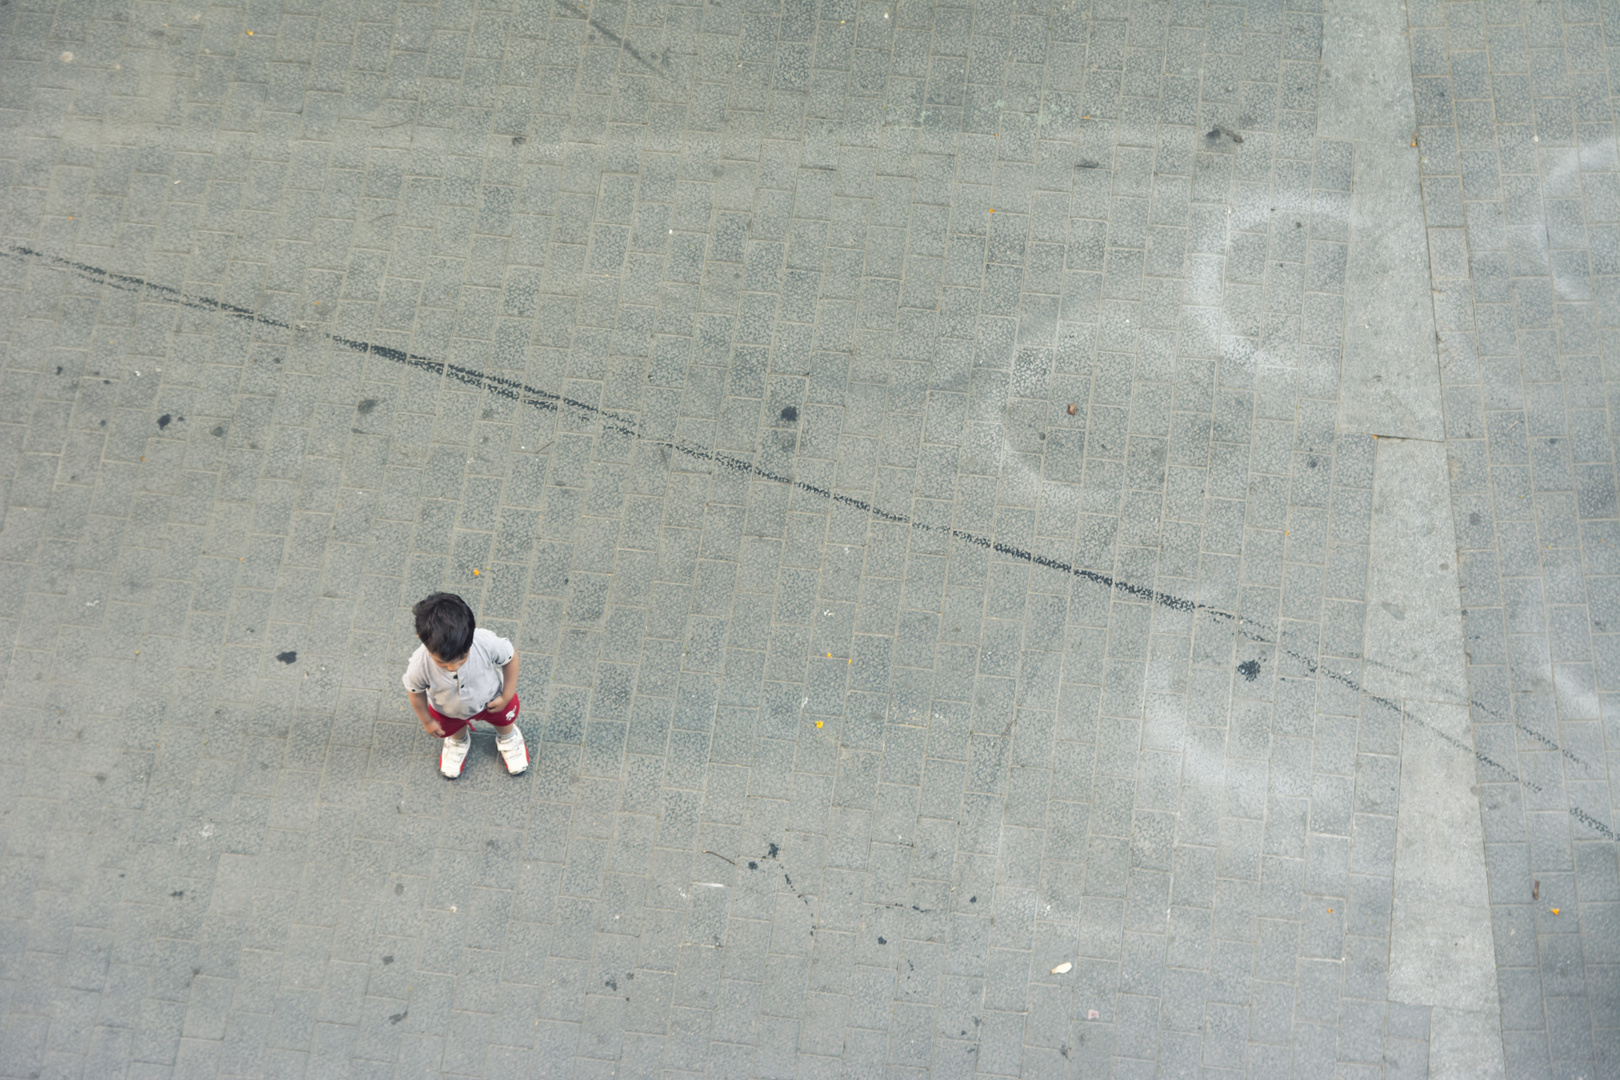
(460, 674)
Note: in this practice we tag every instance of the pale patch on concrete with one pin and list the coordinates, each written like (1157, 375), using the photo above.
(1389, 380)
(1465, 1045)
(1414, 632)
(1441, 949)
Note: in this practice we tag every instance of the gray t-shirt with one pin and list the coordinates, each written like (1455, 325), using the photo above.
(464, 692)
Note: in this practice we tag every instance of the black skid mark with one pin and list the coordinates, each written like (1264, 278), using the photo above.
(524, 394)
(576, 12)
(542, 399)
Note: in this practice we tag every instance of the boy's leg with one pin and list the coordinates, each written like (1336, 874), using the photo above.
(457, 741)
(509, 737)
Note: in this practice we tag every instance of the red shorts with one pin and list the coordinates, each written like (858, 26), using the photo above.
(503, 719)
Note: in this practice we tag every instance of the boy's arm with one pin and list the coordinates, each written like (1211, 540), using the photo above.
(419, 706)
(508, 684)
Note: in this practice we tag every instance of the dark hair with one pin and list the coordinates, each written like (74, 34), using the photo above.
(445, 624)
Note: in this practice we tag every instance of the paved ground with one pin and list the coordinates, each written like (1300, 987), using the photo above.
(1044, 539)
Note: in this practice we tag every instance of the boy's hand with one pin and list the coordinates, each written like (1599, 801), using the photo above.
(497, 703)
(419, 706)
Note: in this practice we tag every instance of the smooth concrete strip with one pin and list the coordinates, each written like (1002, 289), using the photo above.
(1389, 379)
(1441, 950)
(1414, 630)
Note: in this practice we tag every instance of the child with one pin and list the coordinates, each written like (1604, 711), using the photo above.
(460, 674)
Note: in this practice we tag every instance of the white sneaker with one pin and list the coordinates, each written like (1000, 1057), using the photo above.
(513, 750)
(453, 757)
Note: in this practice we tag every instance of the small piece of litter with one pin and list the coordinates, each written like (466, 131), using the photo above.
(67, 58)
(818, 723)
(1063, 968)
(475, 573)
(1071, 408)
(1555, 911)
(1091, 1014)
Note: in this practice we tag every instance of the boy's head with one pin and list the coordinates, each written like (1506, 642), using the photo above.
(445, 624)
